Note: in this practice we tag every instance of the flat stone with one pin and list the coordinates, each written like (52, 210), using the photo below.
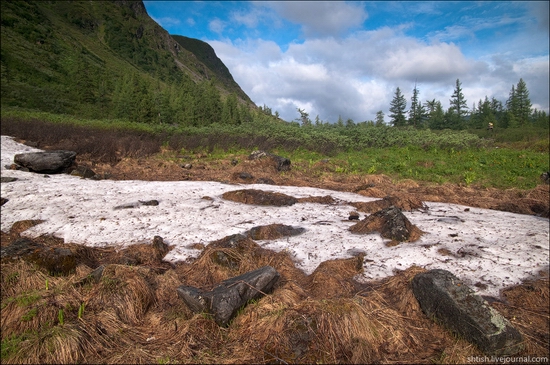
(446, 299)
(224, 301)
(49, 162)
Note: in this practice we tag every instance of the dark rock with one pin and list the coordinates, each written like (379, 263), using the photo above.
(84, 172)
(265, 180)
(149, 203)
(353, 216)
(19, 248)
(3, 201)
(57, 261)
(137, 204)
(244, 176)
(230, 295)
(545, 177)
(160, 248)
(391, 223)
(280, 163)
(232, 241)
(259, 197)
(234, 162)
(127, 206)
(50, 162)
(93, 277)
(7, 179)
(273, 231)
(227, 258)
(453, 304)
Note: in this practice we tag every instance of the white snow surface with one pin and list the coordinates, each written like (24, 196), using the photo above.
(494, 248)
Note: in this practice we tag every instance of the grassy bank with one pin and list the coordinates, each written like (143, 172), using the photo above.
(501, 160)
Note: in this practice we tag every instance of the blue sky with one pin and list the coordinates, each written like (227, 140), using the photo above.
(336, 58)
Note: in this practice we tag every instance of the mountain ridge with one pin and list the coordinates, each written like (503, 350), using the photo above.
(74, 57)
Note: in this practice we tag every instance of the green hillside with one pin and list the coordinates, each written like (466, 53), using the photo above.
(214, 66)
(109, 59)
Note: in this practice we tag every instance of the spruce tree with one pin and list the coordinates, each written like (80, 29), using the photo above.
(458, 108)
(523, 103)
(379, 118)
(436, 115)
(397, 108)
(230, 112)
(417, 114)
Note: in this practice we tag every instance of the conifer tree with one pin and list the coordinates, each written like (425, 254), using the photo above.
(379, 118)
(436, 115)
(417, 113)
(522, 103)
(458, 108)
(397, 108)
(230, 112)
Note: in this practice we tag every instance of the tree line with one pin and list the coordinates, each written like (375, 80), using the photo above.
(516, 112)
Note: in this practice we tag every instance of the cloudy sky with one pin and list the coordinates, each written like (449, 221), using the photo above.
(336, 58)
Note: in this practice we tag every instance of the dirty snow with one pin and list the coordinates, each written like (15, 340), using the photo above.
(493, 248)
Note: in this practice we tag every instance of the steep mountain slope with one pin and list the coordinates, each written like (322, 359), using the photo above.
(86, 57)
(206, 54)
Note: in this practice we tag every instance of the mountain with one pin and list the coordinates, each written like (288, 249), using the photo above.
(206, 54)
(110, 59)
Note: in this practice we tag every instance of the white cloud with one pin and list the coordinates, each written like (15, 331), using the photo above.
(217, 26)
(355, 76)
(352, 77)
(322, 18)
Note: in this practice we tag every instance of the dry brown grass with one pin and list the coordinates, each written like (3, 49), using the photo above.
(133, 314)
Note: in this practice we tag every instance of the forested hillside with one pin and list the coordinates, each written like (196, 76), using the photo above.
(109, 59)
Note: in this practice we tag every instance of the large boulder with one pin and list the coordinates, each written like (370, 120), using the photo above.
(230, 295)
(445, 298)
(49, 162)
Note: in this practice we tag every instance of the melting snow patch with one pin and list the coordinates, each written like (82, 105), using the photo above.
(490, 248)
